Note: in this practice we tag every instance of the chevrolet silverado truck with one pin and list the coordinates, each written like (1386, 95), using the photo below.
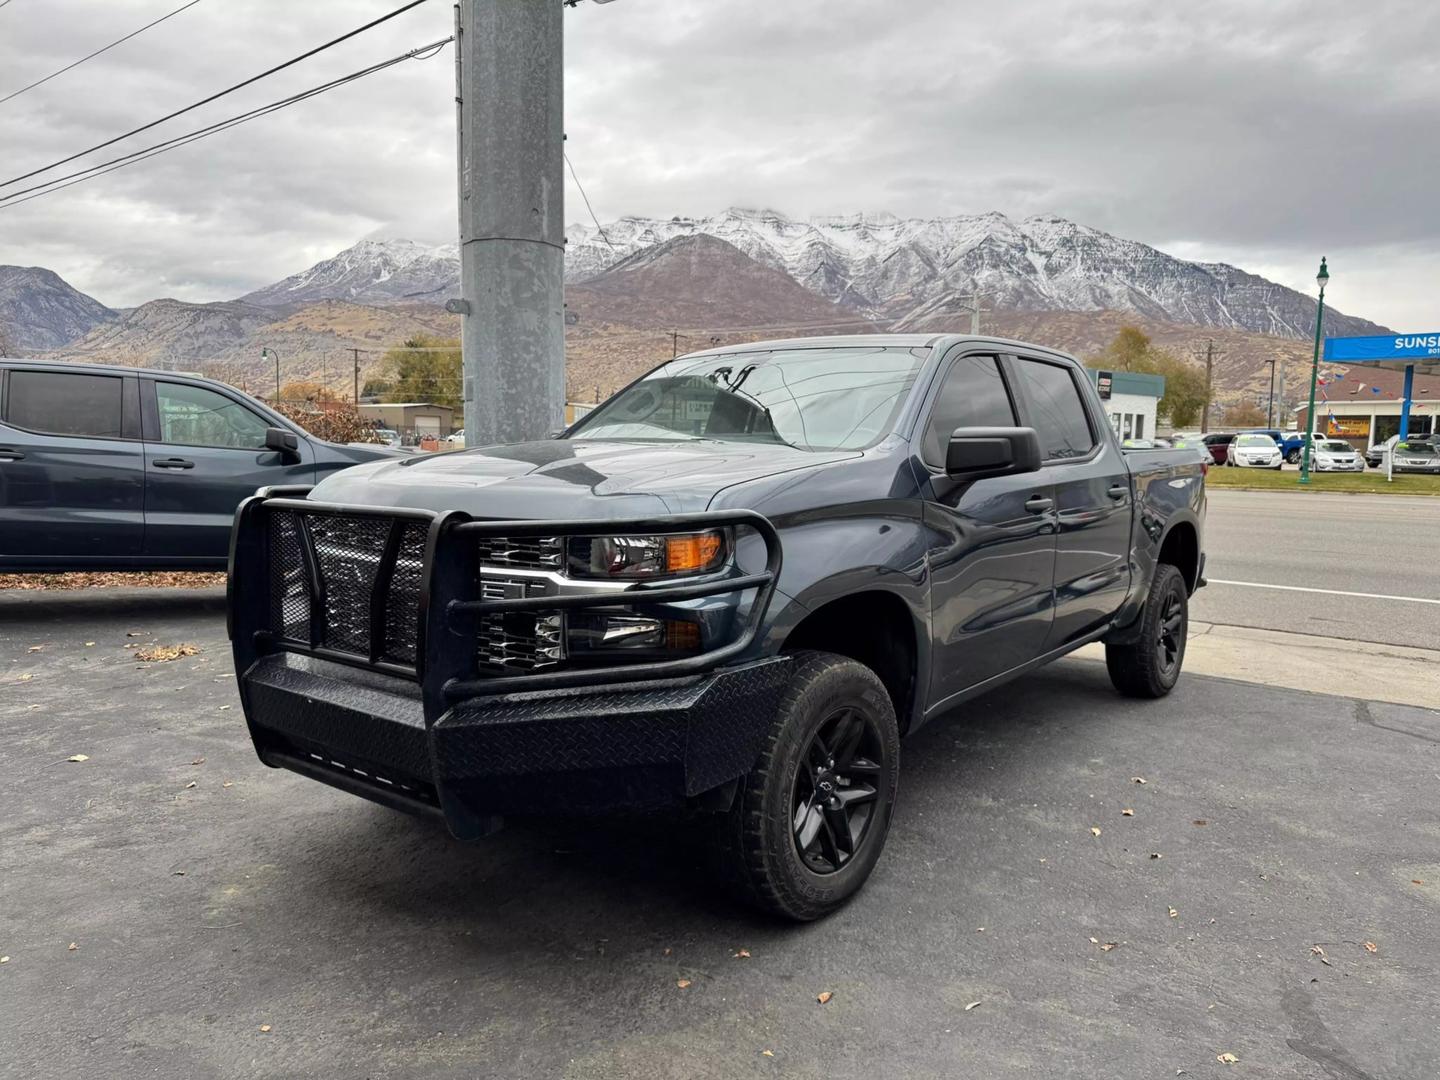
(733, 588)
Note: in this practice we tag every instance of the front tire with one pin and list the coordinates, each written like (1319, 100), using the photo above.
(1149, 667)
(809, 822)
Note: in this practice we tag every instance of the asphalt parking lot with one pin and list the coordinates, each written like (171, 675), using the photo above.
(172, 908)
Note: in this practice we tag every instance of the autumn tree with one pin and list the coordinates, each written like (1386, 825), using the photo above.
(306, 390)
(1245, 416)
(1132, 350)
(424, 368)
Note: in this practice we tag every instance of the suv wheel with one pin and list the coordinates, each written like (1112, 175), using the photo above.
(1148, 668)
(1293, 457)
(809, 822)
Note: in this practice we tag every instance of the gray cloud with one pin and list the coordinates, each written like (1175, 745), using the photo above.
(1258, 134)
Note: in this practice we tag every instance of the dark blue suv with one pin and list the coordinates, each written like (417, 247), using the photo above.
(119, 468)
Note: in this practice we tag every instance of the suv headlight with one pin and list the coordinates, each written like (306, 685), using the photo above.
(636, 557)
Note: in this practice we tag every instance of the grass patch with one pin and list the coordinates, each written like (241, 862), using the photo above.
(1371, 481)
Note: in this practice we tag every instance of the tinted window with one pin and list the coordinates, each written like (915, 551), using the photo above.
(813, 399)
(60, 403)
(973, 395)
(195, 416)
(1055, 408)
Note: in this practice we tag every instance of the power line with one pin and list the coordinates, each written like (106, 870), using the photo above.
(97, 52)
(80, 176)
(581, 186)
(229, 90)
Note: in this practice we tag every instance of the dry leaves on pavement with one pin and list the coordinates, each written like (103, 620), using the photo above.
(1094, 830)
(1371, 947)
(824, 997)
(1226, 1059)
(78, 757)
(161, 654)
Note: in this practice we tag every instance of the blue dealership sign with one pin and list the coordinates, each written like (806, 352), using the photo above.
(1383, 347)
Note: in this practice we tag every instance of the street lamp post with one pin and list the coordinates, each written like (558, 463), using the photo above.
(267, 351)
(1270, 406)
(1322, 279)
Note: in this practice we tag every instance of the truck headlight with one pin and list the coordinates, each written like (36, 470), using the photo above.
(642, 556)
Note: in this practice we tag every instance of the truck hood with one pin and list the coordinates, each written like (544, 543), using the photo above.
(567, 478)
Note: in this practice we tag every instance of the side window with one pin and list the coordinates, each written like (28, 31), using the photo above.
(973, 395)
(61, 403)
(195, 416)
(1058, 414)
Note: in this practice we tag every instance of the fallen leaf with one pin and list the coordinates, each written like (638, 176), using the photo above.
(1173, 913)
(767, 1053)
(25, 678)
(1413, 881)
(971, 1005)
(1226, 1059)
(198, 761)
(667, 952)
(1370, 946)
(229, 783)
(1108, 946)
(1326, 962)
(682, 983)
(78, 757)
(1138, 780)
(264, 1027)
(179, 873)
(89, 644)
(979, 929)
(73, 947)
(741, 954)
(161, 654)
(1094, 830)
(35, 648)
(1317, 950)
(37, 706)
(4, 959)
(1094, 941)
(1127, 812)
(1200, 821)
(824, 996)
(224, 707)
(1156, 855)
(134, 633)
(189, 785)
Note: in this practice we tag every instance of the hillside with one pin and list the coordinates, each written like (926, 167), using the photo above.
(40, 310)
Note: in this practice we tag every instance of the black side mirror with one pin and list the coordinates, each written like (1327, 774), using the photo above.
(976, 452)
(286, 443)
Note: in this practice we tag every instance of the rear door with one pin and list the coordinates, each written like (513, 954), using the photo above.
(71, 466)
(1092, 496)
(992, 560)
(204, 453)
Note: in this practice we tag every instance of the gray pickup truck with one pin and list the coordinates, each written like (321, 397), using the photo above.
(733, 587)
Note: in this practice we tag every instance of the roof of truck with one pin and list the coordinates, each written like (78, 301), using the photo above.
(893, 341)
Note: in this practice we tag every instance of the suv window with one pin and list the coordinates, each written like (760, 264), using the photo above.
(62, 403)
(973, 395)
(1055, 408)
(195, 416)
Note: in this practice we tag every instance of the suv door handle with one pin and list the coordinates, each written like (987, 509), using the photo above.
(1038, 504)
(1118, 491)
(172, 463)
(8, 453)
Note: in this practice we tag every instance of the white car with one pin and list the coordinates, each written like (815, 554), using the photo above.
(456, 438)
(1335, 455)
(1252, 450)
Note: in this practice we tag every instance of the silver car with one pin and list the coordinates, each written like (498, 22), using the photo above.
(1415, 457)
(1252, 450)
(1335, 455)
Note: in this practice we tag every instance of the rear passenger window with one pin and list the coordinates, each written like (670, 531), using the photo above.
(973, 395)
(61, 403)
(1053, 402)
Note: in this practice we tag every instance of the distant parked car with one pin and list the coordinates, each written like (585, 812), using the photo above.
(119, 468)
(1416, 456)
(456, 439)
(1335, 455)
(1219, 446)
(1292, 444)
(1375, 455)
(1252, 450)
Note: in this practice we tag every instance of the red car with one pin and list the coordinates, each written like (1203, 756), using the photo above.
(1219, 446)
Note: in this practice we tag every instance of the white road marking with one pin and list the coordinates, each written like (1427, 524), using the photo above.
(1325, 592)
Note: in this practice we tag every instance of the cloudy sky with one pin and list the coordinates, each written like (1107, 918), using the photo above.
(1263, 133)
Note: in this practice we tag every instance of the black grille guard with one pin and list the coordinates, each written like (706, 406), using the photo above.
(449, 605)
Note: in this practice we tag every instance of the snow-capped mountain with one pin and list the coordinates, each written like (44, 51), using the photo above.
(879, 265)
(372, 272)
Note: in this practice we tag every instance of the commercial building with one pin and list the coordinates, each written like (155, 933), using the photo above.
(1363, 405)
(1131, 400)
(412, 419)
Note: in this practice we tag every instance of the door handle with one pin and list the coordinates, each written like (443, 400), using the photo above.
(1038, 504)
(1118, 491)
(8, 453)
(172, 463)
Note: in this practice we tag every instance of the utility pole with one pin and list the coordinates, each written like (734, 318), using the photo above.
(509, 100)
(975, 310)
(356, 353)
(1209, 372)
(1270, 406)
(674, 344)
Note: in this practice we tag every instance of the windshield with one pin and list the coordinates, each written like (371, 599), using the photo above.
(1415, 448)
(1334, 446)
(813, 399)
(1254, 440)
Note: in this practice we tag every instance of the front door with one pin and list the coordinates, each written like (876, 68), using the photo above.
(204, 453)
(992, 560)
(71, 469)
(1092, 498)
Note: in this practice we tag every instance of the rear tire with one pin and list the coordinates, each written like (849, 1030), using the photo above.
(1149, 667)
(809, 822)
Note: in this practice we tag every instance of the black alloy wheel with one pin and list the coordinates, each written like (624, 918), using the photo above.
(1148, 664)
(1170, 633)
(833, 793)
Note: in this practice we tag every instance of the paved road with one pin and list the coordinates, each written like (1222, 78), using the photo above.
(1378, 544)
(207, 896)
